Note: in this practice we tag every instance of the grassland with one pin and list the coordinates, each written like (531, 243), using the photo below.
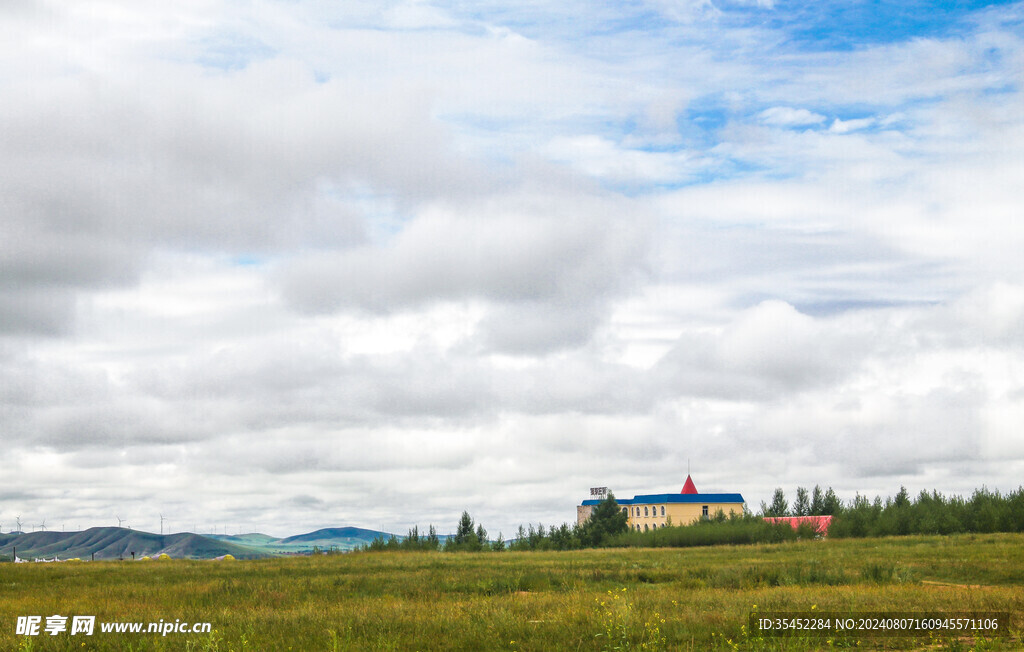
(689, 599)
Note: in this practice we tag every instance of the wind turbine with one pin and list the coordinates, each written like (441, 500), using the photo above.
(19, 523)
(119, 520)
(161, 524)
(42, 526)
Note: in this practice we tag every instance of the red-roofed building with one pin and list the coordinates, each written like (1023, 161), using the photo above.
(819, 523)
(660, 510)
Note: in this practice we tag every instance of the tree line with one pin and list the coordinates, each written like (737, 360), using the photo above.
(815, 503)
(931, 513)
(606, 520)
(606, 527)
(928, 513)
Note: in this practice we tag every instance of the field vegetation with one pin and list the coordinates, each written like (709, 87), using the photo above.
(597, 599)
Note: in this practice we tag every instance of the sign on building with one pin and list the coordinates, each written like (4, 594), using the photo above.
(599, 492)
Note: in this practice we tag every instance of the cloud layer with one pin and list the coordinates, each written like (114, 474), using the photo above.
(263, 267)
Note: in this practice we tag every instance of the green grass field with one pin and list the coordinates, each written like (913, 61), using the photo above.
(673, 599)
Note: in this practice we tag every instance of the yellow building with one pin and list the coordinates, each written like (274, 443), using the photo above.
(658, 510)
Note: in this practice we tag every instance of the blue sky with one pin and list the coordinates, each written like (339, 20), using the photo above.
(264, 265)
(858, 25)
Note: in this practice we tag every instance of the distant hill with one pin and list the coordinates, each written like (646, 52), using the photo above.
(117, 542)
(340, 538)
(335, 533)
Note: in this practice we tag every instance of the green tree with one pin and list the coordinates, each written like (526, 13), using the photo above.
(521, 541)
(802, 505)
(779, 506)
(563, 538)
(412, 540)
(817, 501)
(902, 499)
(606, 520)
(831, 505)
(466, 538)
(465, 529)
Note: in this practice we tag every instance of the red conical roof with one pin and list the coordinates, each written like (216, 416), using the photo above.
(688, 488)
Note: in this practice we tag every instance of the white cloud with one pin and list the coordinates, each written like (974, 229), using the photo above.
(447, 257)
(846, 126)
(551, 264)
(784, 116)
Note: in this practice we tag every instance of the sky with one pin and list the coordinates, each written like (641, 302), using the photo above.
(279, 265)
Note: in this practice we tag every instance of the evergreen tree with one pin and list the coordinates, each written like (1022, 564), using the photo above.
(779, 506)
(531, 537)
(466, 538)
(465, 530)
(521, 542)
(801, 506)
(831, 505)
(607, 519)
(817, 502)
(902, 498)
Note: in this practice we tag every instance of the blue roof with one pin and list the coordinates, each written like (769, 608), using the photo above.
(675, 498)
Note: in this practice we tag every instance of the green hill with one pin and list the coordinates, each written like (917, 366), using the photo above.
(119, 543)
(343, 538)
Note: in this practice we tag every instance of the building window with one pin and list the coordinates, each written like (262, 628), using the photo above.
(704, 511)
(645, 511)
(624, 510)
(645, 527)
(662, 510)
